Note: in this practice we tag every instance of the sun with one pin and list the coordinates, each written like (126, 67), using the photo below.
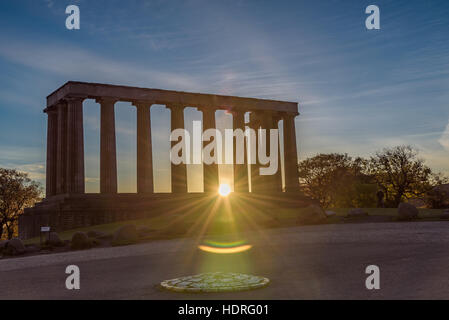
(224, 190)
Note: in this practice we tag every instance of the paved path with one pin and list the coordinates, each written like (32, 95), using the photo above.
(303, 263)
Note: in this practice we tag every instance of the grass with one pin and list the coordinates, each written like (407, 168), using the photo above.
(177, 225)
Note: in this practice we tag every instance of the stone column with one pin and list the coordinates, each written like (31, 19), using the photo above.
(210, 171)
(277, 178)
(291, 156)
(108, 157)
(75, 145)
(267, 182)
(178, 172)
(254, 124)
(61, 156)
(144, 148)
(52, 144)
(240, 170)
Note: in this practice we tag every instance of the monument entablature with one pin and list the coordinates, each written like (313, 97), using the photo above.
(163, 97)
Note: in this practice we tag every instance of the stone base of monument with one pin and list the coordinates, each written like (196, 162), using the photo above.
(69, 211)
(215, 282)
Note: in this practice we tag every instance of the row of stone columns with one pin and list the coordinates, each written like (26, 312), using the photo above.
(65, 150)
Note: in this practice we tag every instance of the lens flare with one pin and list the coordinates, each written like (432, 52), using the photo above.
(225, 244)
(224, 190)
(225, 247)
(225, 250)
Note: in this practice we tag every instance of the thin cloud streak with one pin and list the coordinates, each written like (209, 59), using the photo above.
(444, 139)
(76, 63)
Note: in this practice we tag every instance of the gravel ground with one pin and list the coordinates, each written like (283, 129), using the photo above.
(309, 262)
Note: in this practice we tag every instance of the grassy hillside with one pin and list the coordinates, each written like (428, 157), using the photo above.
(184, 225)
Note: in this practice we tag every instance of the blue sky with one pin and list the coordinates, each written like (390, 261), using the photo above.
(359, 90)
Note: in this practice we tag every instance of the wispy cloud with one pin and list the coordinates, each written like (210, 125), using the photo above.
(261, 75)
(36, 171)
(76, 63)
(444, 138)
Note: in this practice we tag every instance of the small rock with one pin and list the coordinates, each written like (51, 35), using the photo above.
(407, 211)
(80, 240)
(14, 247)
(125, 235)
(54, 240)
(330, 213)
(357, 212)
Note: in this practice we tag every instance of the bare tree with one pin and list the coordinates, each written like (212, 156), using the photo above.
(17, 192)
(402, 175)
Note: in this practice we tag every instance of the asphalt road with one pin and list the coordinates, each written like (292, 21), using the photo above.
(312, 262)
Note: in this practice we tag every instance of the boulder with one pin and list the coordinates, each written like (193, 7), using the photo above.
(312, 214)
(80, 240)
(330, 213)
(54, 240)
(125, 235)
(356, 212)
(14, 247)
(407, 211)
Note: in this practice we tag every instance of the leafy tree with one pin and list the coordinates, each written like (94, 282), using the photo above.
(17, 192)
(356, 194)
(401, 174)
(334, 179)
